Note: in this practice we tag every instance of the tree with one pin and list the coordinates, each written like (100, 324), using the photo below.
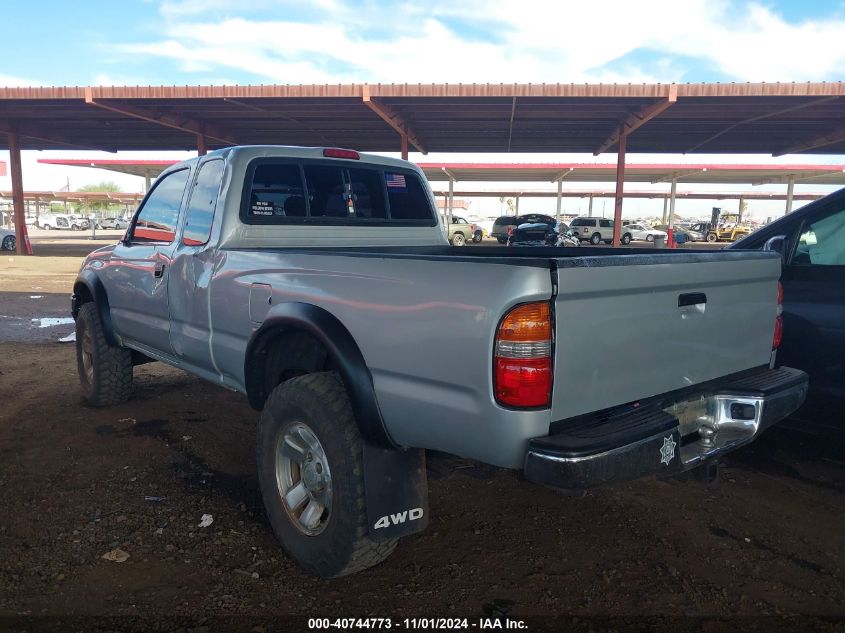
(104, 186)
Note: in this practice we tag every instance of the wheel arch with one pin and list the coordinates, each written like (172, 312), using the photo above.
(89, 288)
(342, 350)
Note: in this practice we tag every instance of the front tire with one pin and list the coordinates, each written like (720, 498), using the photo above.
(626, 239)
(649, 238)
(105, 372)
(311, 473)
(9, 243)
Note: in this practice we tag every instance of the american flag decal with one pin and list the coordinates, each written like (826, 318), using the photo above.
(395, 181)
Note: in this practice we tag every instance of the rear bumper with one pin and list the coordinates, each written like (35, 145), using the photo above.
(664, 437)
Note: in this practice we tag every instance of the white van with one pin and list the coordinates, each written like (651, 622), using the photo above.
(62, 221)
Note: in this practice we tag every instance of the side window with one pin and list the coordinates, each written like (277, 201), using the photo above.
(62, 222)
(156, 221)
(605, 224)
(822, 243)
(200, 214)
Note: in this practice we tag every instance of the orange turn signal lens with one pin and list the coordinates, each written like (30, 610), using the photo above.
(529, 322)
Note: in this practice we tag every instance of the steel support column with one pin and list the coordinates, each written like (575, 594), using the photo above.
(790, 188)
(21, 236)
(202, 147)
(451, 202)
(590, 207)
(739, 208)
(672, 191)
(620, 186)
(665, 209)
(147, 180)
(517, 206)
(559, 193)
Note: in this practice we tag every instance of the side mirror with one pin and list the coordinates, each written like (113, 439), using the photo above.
(777, 244)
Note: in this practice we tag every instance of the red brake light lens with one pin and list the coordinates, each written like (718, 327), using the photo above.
(522, 376)
(336, 152)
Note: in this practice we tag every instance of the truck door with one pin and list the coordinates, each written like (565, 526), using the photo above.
(814, 301)
(191, 271)
(137, 275)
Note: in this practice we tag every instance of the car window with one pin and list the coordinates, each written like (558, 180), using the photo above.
(457, 220)
(157, 219)
(605, 224)
(200, 213)
(822, 243)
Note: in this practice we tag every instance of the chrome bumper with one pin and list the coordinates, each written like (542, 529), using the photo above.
(664, 438)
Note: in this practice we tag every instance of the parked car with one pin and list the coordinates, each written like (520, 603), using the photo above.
(533, 234)
(62, 221)
(7, 240)
(691, 236)
(594, 230)
(812, 242)
(113, 223)
(460, 231)
(503, 225)
(640, 232)
(324, 309)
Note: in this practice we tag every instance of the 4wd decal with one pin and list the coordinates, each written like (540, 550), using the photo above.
(400, 517)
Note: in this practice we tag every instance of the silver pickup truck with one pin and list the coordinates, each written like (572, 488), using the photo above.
(320, 284)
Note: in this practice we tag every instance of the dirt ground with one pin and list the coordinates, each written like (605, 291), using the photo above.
(763, 549)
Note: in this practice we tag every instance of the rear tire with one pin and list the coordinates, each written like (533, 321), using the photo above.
(649, 238)
(9, 243)
(626, 239)
(337, 542)
(105, 372)
(458, 239)
(502, 240)
(595, 240)
(711, 237)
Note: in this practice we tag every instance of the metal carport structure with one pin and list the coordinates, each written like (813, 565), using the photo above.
(776, 118)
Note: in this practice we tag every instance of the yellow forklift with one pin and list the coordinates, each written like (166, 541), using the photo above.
(727, 227)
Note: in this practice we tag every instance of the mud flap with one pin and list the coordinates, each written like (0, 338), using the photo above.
(396, 491)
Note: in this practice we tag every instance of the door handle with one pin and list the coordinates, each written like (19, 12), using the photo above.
(691, 299)
(158, 272)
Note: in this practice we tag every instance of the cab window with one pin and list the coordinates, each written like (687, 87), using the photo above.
(200, 213)
(156, 221)
(822, 243)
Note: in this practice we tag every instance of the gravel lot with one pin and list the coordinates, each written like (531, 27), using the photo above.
(763, 549)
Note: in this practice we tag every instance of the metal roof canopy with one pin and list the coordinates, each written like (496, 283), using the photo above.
(636, 172)
(551, 172)
(776, 118)
(657, 195)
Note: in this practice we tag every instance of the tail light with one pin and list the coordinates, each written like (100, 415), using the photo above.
(510, 230)
(522, 375)
(778, 319)
(336, 152)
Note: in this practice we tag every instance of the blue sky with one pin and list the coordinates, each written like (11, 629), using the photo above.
(286, 41)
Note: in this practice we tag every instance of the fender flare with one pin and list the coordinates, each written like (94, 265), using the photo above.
(91, 282)
(342, 349)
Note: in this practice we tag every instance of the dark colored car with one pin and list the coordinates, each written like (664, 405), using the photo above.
(533, 234)
(812, 243)
(503, 225)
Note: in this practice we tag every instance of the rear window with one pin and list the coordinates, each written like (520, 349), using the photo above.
(286, 192)
(505, 220)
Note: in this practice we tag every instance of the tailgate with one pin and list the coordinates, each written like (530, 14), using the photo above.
(622, 333)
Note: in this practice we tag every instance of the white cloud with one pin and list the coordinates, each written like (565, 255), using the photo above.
(533, 41)
(8, 81)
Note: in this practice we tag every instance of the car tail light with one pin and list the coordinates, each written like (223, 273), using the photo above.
(522, 374)
(336, 152)
(510, 230)
(778, 319)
